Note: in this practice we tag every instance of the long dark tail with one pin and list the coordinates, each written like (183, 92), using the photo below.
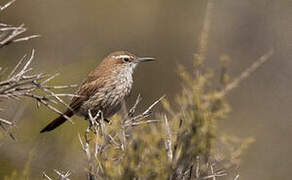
(58, 121)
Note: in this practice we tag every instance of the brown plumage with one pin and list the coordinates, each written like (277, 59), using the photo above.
(104, 89)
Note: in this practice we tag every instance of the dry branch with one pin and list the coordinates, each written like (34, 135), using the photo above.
(9, 33)
(22, 82)
(6, 5)
(117, 139)
(140, 119)
(168, 143)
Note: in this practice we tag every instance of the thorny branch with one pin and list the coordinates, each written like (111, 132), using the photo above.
(22, 82)
(18, 84)
(140, 119)
(116, 139)
(9, 33)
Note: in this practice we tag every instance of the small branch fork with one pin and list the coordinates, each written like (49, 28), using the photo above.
(61, 175)
(140, 119)
(21, 82)
(103, 138)
(9, 34)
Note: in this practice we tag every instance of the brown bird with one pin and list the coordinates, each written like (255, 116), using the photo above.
(104, 89)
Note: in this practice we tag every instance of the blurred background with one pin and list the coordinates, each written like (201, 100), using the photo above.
(76, 35)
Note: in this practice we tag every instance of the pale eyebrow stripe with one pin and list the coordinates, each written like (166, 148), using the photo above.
(122, 56)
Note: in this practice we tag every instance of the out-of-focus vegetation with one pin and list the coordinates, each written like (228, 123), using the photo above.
(186, 142)
(181, 144)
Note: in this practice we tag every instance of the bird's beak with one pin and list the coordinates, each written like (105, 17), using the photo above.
(144, 59)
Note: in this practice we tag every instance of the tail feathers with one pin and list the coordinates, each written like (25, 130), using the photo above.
(57, 122)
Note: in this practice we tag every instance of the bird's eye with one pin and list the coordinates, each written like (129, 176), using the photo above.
(126, 59)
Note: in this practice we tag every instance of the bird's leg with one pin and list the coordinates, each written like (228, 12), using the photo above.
(90, 126)
(100, 115)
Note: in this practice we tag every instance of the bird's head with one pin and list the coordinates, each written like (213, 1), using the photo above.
(124, 59)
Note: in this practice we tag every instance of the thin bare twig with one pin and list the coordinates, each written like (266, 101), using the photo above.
(46, 176)
(95, 124)
(5, 122)
(9, 34)
(197, 167)
(136, 119)
(27, 38)
(168, 143)
(21, 82)
(7, 5)
(104, 138)
(61, 175)
(236, 177)
(133, 109)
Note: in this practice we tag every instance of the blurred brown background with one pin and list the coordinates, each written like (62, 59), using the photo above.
(77, 34)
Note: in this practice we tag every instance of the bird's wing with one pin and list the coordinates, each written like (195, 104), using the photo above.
(87, 89)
